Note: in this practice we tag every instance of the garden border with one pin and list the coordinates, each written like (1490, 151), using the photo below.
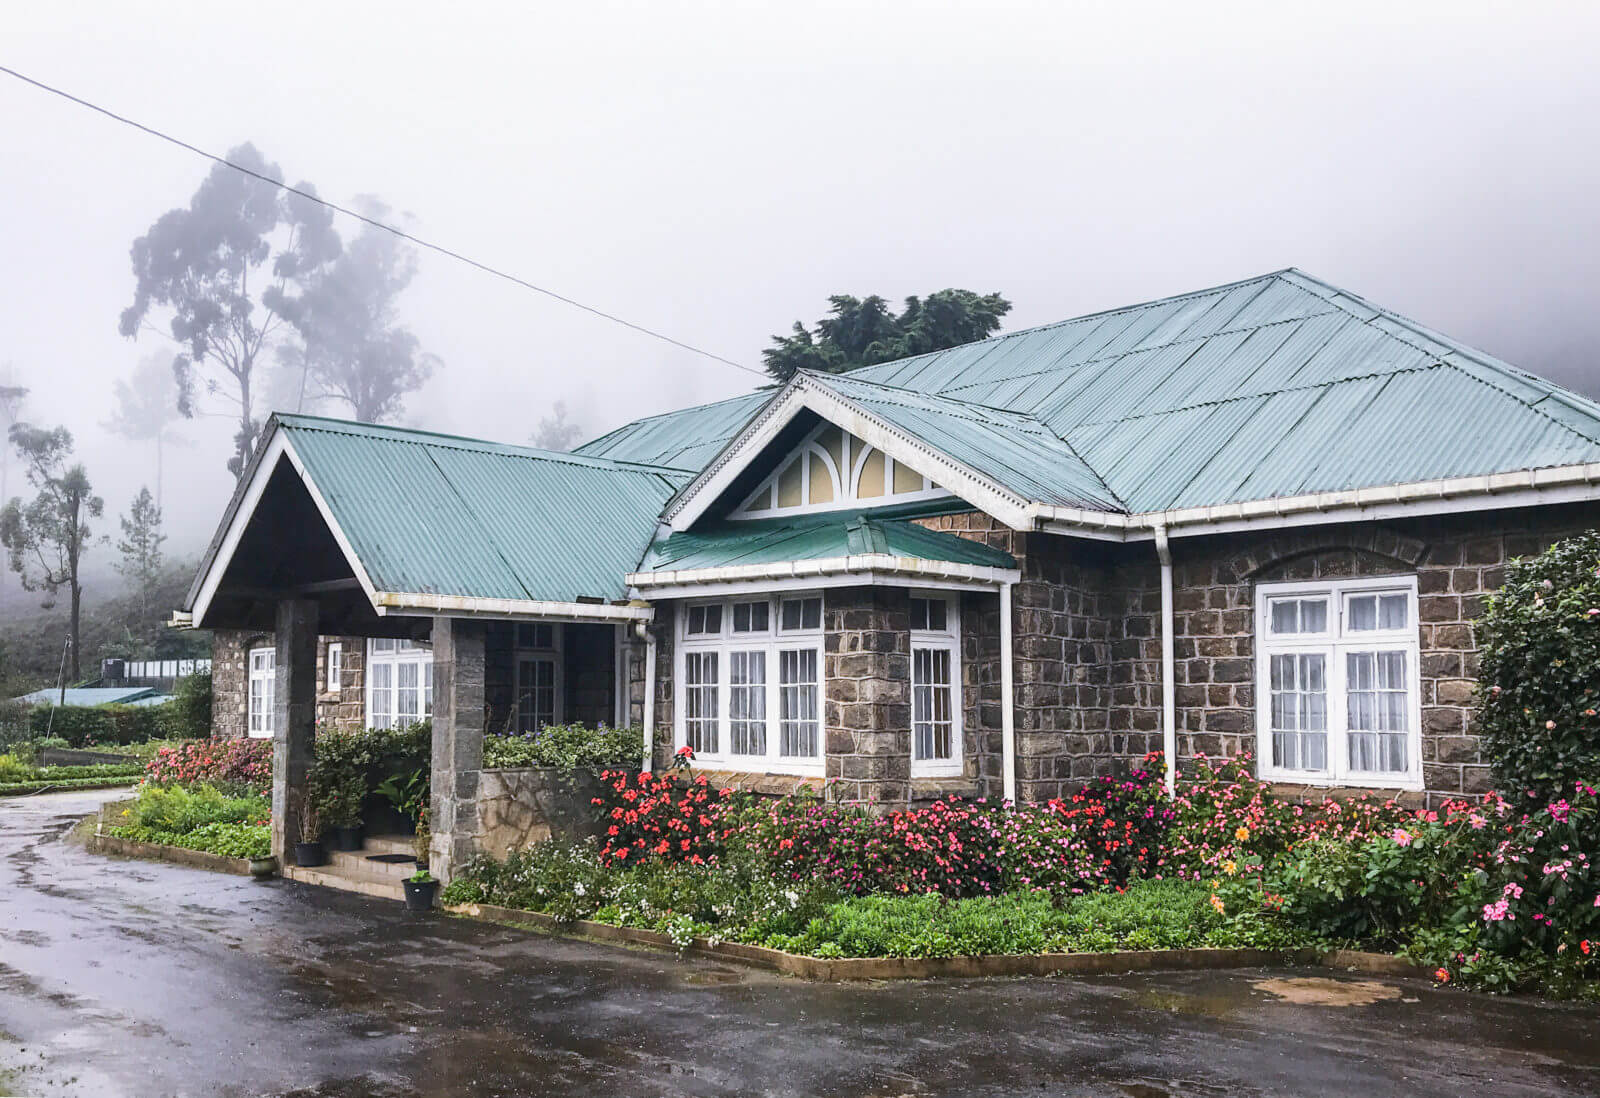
(179, 855)
(837, 969)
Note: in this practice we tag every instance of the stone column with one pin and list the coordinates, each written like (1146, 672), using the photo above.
(867, 709)
(294, 721)
(458, 725)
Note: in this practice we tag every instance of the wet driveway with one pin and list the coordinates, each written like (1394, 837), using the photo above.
(133, 978)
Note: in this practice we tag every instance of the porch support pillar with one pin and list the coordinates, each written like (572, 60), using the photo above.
(294, 719)
(458, 727)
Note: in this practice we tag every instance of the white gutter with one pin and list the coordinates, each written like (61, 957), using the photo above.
(875, 563)
(396, 602)
(1169, 689)
(642, 629)
(1008, 719)
(1527, 487)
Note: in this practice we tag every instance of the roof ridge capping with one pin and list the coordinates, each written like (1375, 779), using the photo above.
(423, 436)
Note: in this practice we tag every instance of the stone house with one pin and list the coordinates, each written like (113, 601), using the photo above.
(1261, 518)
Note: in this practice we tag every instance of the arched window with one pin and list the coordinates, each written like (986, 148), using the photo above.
(833, 470)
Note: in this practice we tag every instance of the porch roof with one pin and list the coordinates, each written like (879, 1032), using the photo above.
(431, 522)
(871, 542)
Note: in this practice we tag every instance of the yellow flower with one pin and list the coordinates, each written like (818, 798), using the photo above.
(1216, 902)
(1230, 868)
(1242, 834)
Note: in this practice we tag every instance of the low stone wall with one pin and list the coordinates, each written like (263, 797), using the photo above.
(526, 805)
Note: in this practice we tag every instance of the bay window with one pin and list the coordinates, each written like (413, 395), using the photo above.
(1337, 675)
(399, 682)
(935, 687)
(263, 689)
(750, 682)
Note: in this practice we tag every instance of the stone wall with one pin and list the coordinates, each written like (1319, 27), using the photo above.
(866, 709)
(525, 805)
(230, 679)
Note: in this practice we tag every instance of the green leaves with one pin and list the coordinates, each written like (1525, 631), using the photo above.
(1540, 674)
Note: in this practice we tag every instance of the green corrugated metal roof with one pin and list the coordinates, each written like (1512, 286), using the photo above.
(435, 514)
(815, 537)
(1275, 386)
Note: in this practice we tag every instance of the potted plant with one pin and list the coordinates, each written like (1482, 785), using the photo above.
(421, 887)
(263, 867)
(344, 811)
(406, 797)
(308, 851)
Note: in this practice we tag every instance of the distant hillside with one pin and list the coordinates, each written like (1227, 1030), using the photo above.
(113, 625)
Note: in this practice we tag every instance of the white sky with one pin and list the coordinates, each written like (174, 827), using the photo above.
(716, 170)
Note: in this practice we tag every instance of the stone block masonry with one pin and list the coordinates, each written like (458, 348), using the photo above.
(867, 695)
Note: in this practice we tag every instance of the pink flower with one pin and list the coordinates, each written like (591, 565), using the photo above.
(1401, 837)
(1550, 724)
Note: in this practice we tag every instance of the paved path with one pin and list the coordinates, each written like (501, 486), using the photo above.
(134, 978)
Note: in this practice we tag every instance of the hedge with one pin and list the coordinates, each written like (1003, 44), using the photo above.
(82, 725)
(12, 789)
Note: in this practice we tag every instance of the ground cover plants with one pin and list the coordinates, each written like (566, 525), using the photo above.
(197, 817)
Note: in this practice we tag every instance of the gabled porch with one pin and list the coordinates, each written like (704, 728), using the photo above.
(312, 546)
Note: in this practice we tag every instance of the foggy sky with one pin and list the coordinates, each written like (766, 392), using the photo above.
(716, 170)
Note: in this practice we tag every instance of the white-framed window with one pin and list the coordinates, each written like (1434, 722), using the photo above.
(935, 686)
(1336, 682)
(749, 682)
(540, 681)
(263, 690)
(335, 665)
(399, 682)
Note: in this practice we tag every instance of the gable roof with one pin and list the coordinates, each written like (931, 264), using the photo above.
(1280, 387)
(425, 517)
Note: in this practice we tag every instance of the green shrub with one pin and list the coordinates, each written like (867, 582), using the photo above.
(13, 769)
(183, 809)
(188, 715)
(99, 725)
(566, 747)
(1540, 675)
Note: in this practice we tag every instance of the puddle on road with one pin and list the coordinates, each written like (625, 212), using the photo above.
(1322, 991)
(1221, 1005)
(712, 977)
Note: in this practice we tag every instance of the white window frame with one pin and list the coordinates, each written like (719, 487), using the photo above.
(772, 642)
(261, 705)
(335, 666)
(554, 655)
(403, 653)
(946, 640)
(1335, 643)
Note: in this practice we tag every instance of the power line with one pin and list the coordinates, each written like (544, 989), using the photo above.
(418, 241)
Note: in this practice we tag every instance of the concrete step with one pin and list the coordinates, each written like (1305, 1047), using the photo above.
(329, 876)
(359, 863)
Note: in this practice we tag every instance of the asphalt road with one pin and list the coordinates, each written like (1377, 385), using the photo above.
(133, 978)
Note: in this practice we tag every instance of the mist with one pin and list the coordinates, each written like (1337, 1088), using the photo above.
(715, 171)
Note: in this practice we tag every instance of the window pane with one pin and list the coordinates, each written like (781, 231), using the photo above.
(747, 702)
(380, 713)
(1392, 611)
(407, 695)
(1292, 616)
(919, 613)
(797, 703)
(800, 614)
(1363, 611)
(750, 617)
(1299, 711)
(700, 701)
(1378, 708)
(932, 712)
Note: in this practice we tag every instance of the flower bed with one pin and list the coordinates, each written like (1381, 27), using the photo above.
(240, 766)
(1488, 897)
(201, 817)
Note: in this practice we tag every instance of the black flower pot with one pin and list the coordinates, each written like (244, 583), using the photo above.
(310, 854)
(347, 838)
(420, 894)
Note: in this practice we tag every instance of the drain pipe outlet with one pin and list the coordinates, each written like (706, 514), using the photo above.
(1169, 689)
(642, 630)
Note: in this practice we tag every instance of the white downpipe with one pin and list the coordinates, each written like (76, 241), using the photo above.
(1008, 717)
(1169, 689)
(649, 638)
